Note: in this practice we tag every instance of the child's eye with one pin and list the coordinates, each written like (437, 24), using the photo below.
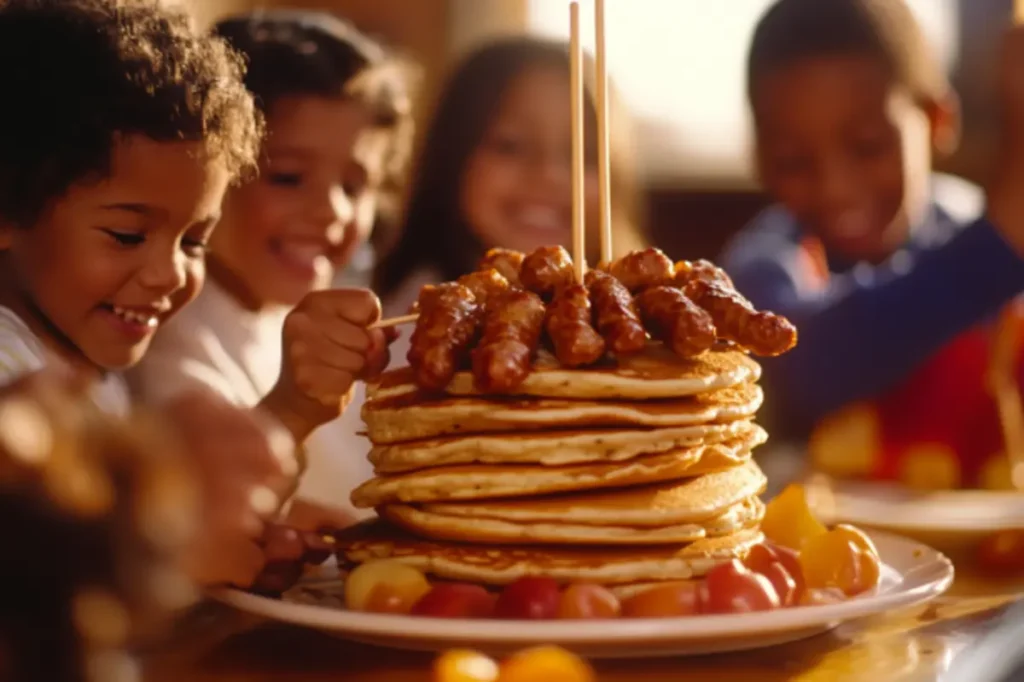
(869, 147)
(285, 179)
(126, 238)
(507, 146)
(194, 247)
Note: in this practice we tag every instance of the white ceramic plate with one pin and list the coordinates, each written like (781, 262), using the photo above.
(898, 509)
(914, 573)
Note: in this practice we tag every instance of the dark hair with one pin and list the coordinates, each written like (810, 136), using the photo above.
(308, 53)
(434, 233)
(79, 73)
(795, 30)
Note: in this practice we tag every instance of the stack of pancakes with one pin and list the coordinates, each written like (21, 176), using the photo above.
(629, 473)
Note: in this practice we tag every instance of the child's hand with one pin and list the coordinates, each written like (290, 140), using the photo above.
(327, 346)
(244, 465)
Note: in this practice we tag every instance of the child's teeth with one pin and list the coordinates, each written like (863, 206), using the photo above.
(134, 317)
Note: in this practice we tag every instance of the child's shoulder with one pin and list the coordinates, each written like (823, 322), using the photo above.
(21, 351)
(770, 233)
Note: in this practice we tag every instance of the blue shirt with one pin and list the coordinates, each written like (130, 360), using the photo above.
(862, 327)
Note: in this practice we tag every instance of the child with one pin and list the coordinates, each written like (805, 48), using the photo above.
(493, 170)
(866, 250)
(338, 117)
(127, 129)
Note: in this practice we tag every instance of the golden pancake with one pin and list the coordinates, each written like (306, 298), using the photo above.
(656, 373)
(415, 416)
(552, 448)
(503, 564)
(744, 514)
(481, 481)
(691, 500)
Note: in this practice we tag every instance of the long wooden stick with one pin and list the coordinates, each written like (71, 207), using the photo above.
(1002, 375)
(395, 321)
(579, 255)
(603, 161)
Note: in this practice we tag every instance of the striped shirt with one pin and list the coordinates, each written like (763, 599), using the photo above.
(22, 352)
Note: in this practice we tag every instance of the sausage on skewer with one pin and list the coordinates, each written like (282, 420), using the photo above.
(643, 269)
(511, 332)
(486, 285)
(447, 325)
(760, 332)
(704, 270)
(672, 317)
(618, 319)
(574, 338)
(547, 270)
(506, 261)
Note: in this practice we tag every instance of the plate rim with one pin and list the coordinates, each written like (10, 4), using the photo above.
(930, 579)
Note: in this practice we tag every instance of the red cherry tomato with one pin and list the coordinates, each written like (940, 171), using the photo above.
(781, 566)
(733, 588)
(455, 600)
(529, 599)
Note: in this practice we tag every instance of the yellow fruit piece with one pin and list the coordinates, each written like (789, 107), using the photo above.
(995, 474)
(843, 558)
(788, 519)
(545, 664)
(386, 586)
(930, 467)
(847, 443)
(462, 665)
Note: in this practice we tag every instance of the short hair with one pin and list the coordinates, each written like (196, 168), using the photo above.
(78, 74)
(795, 30)
(309, 53)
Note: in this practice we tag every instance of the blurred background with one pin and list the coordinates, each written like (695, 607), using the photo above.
(679, 66)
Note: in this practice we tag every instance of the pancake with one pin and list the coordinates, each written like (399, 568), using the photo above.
(552, 448)
(659, 505)
(480, 481)
(744, 514)
(415, 415)
(656, 373)
(503, 564)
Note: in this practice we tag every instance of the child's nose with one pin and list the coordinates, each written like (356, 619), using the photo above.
(165, 273)
(837, 184)
(332, 206)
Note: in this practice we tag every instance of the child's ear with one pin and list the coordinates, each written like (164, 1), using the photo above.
(944, 119)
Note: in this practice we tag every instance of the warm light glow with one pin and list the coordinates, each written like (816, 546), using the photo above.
(679, 64)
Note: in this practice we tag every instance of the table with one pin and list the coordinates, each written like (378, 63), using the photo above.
(914, 645)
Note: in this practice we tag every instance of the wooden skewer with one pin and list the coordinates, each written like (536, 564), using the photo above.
(579, 255)
(1002, 384)
(395, 321)
(603, 161)
(1002, 375)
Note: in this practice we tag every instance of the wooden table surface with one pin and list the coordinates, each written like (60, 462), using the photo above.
(916, 645)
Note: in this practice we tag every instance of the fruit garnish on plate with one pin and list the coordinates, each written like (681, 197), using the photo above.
(539, 664)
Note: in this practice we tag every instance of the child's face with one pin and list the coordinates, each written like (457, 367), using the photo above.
(845, 151)
(517, 188)
(314, 203)
(110, 260)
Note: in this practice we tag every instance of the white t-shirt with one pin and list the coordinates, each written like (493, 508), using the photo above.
(216, 343)
(22, 352)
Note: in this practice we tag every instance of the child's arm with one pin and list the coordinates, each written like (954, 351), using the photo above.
(867, 329)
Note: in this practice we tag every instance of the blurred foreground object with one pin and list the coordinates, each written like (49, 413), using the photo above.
(94, 514)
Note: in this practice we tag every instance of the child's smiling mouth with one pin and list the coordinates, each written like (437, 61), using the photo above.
(135, 322)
